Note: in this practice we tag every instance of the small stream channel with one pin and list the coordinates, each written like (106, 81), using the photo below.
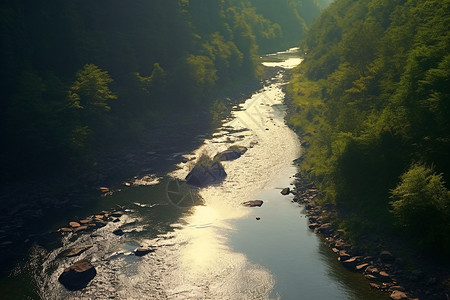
(207, 245)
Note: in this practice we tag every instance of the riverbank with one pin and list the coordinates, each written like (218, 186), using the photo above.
(417, 274)
(393, 268)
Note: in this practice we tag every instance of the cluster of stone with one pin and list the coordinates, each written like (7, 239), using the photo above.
(383, 271)
(92, 222)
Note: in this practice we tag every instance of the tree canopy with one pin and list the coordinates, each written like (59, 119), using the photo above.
(79, 74)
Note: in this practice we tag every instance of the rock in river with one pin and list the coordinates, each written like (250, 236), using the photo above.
(118, 232)
(78, 275)
(77, 251)
(74, 224)
(228, 155)
(253, 203)
(232, 153)
(285, 191)
(204, 175)
(141, 251)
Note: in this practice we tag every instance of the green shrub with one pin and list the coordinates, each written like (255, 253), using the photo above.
(421, 206)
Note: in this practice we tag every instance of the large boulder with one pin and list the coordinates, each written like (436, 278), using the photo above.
(204, 175)
(78, 275)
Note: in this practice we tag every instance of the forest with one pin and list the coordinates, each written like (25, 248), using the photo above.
(372, 103)
(81, 76)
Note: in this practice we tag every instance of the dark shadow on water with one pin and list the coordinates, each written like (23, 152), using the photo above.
(354, 284)
(154, 208)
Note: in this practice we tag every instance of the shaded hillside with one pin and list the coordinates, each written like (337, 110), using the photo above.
(81, 75)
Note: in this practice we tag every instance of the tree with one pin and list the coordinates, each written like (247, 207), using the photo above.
(91, 90)
(202, 73)
(90, 93)
(421, 205)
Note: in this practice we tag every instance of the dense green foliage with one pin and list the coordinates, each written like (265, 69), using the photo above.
(372, 99)
(80, 74)
(421, 204)
(291, 19)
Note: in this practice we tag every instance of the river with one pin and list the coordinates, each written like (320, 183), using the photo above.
(207, 245)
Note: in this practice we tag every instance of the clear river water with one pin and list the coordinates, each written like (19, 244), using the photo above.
(207, 245)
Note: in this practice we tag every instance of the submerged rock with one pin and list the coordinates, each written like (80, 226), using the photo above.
(78, 275)
(253, 203)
